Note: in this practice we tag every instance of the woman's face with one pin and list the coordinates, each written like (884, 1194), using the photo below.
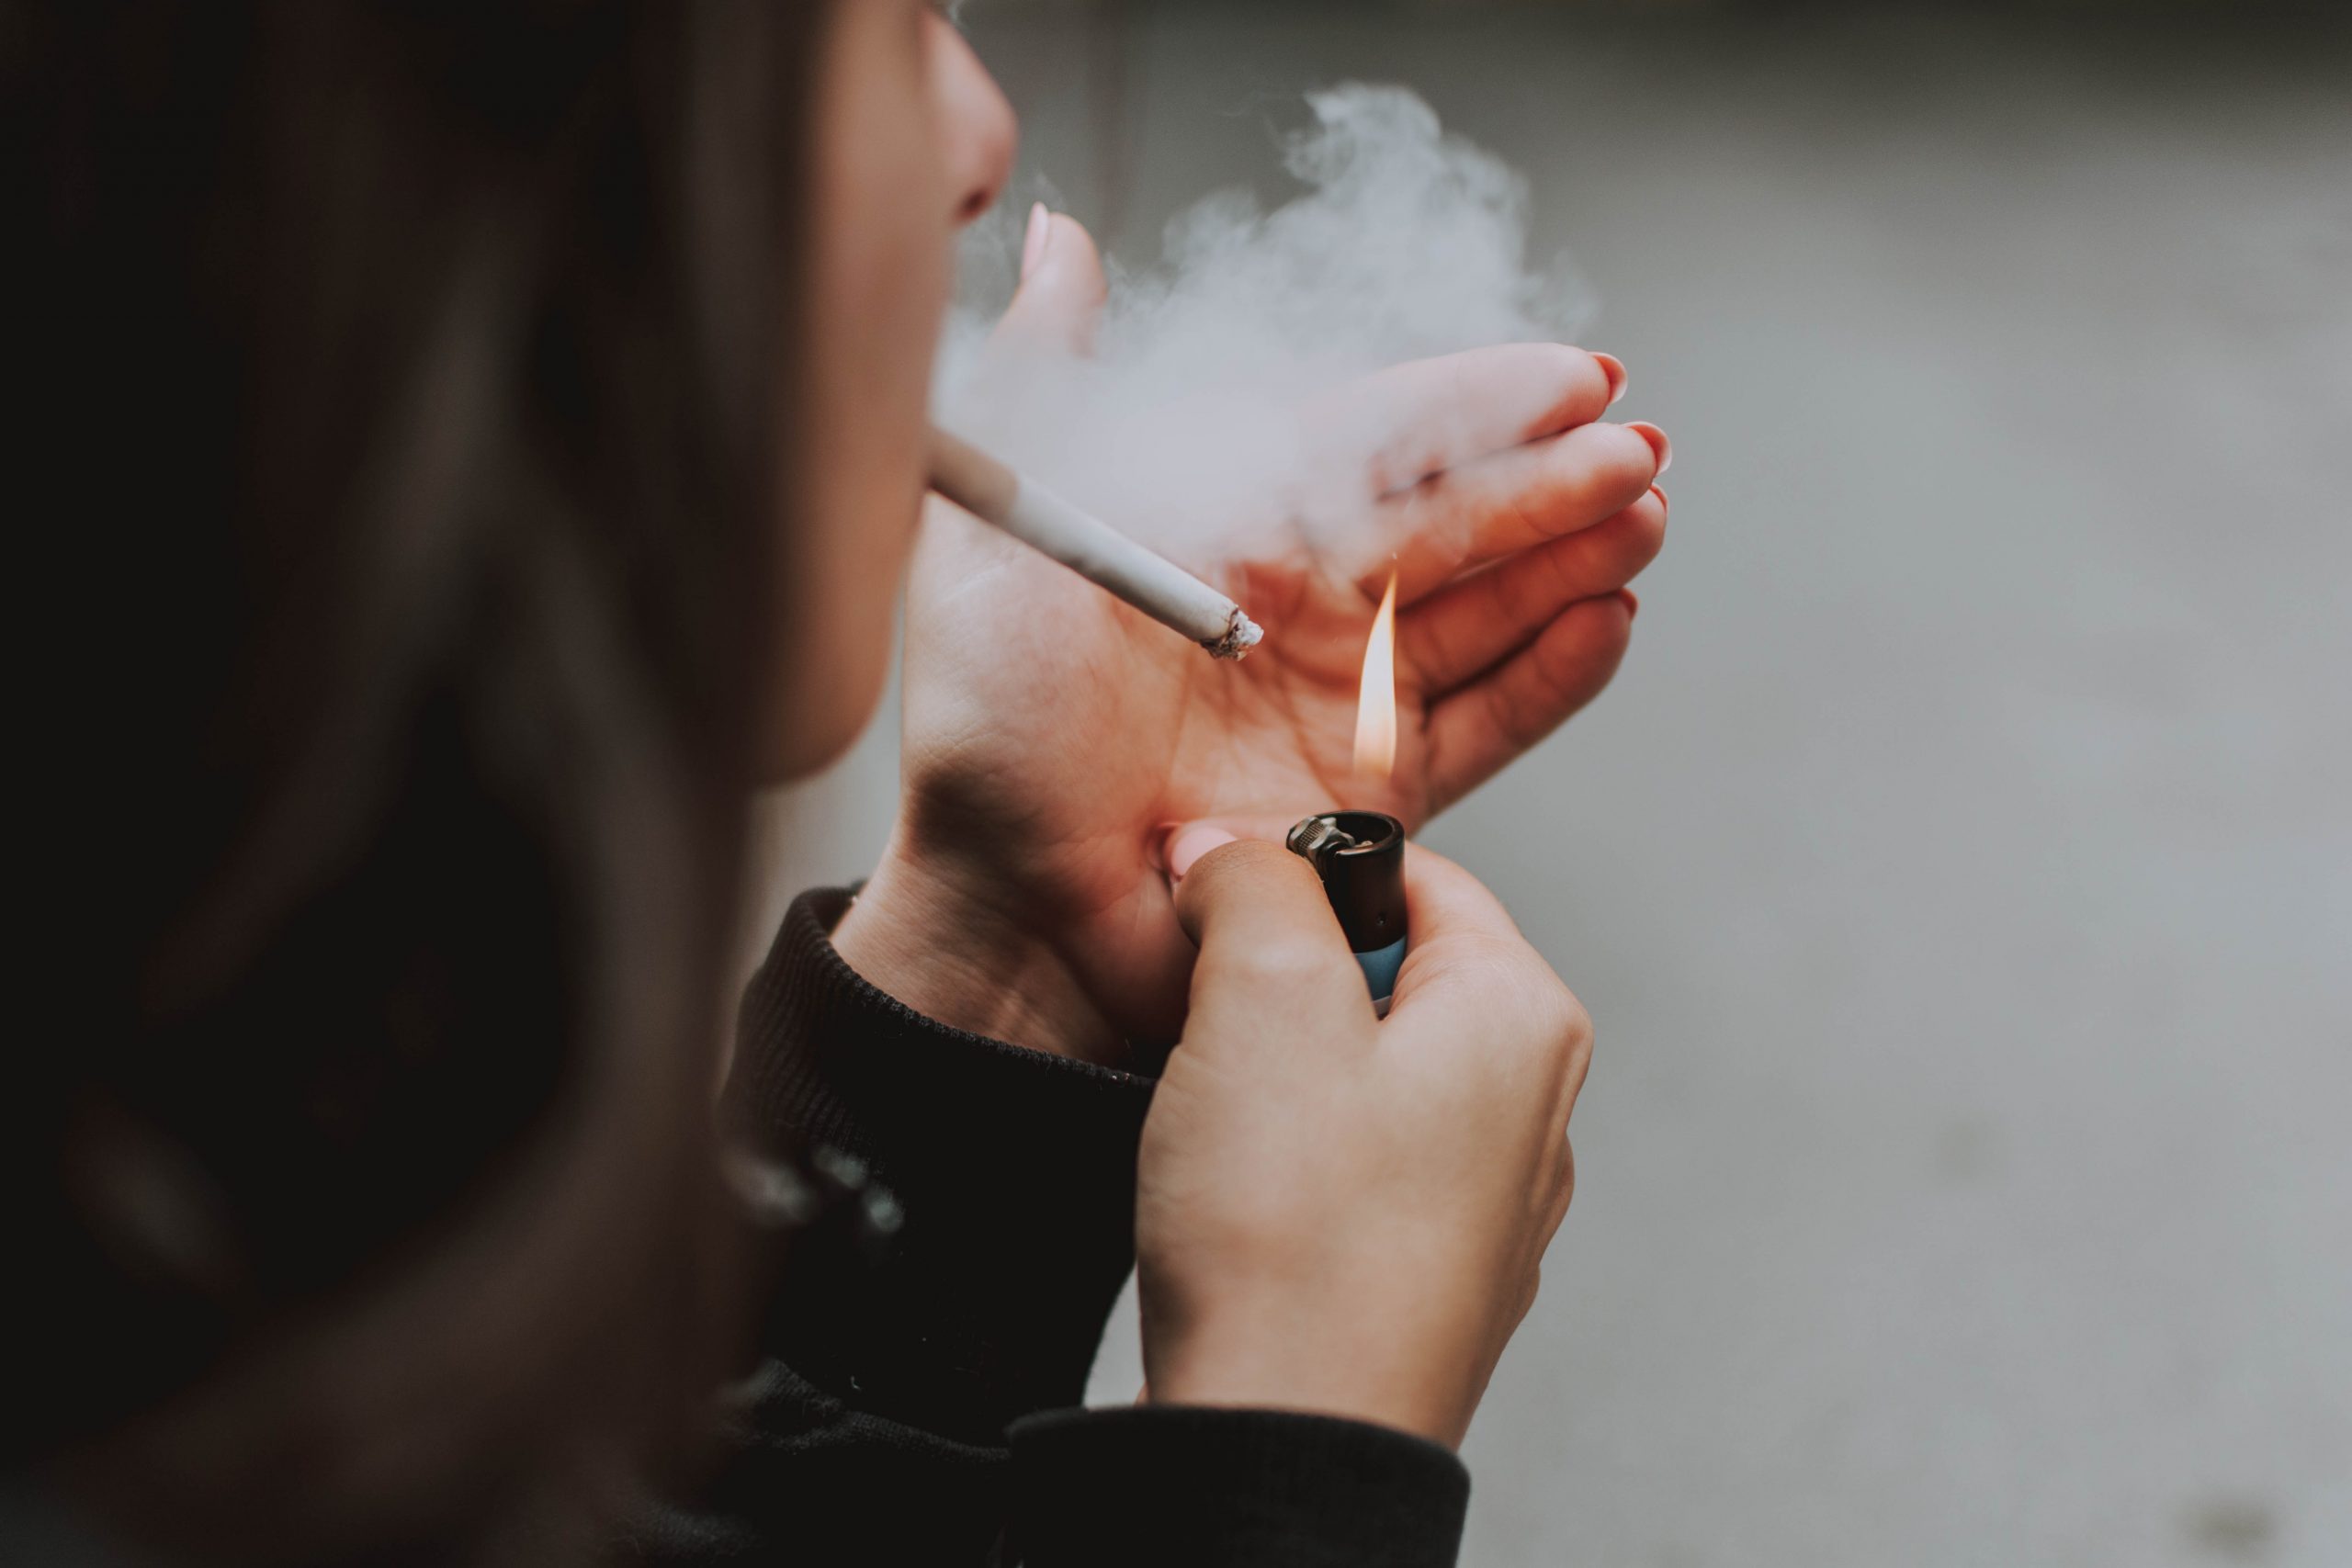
(914, 141)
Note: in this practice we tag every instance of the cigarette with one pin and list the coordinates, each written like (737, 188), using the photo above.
(1088, 546)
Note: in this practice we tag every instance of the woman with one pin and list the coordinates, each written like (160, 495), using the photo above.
(481, 443)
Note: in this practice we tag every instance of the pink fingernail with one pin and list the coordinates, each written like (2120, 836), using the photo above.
(1040, 235)
(1155, 846)
(1186, 846)
(1633, 601)
(1659, 490)
(1614, 369)
(1659, 443)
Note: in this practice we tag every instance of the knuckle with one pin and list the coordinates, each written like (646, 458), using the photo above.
(1575, 1031)
(1574, 1022)
(1530, 1289)
(1559, 1023)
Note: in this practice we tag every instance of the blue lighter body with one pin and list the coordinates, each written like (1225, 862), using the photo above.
(1380, 973)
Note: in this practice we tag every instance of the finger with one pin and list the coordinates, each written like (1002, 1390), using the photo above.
(1471, 626)
(1062, 290)
(1412, 420)
(1174, 847)
(1467, 955)
(1500, 505)
(1187, 844)
(1270, 949)
(1472, 732)
(1468, 959)
(1445, 905)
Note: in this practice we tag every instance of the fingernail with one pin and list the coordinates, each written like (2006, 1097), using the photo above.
(1664, 505)
(1040, 235)
(1614, 369)
(1659, 443)
(1187, 845)
(1633, 601)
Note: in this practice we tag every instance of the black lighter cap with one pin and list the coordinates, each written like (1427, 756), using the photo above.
(1360, 855)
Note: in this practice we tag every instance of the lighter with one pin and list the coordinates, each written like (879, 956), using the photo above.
(1360, 855)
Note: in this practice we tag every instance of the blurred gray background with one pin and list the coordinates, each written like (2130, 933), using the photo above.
(1961, 869)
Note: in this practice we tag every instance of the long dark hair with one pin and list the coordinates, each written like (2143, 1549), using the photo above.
(393, 536)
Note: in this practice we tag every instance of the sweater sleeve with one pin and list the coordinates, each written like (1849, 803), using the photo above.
(917, 1407)
(1015, 1172)
(1172, 1487)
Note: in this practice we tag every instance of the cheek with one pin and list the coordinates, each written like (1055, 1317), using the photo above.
(879, 283)
(884, 298)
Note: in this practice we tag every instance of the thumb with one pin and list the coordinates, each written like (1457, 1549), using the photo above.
(1271, 948)
(1062, 289)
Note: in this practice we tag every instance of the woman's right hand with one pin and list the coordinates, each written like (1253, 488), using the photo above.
(1338, 1214)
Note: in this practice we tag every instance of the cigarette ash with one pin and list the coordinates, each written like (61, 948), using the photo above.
(1183, 430)
(1241, 635)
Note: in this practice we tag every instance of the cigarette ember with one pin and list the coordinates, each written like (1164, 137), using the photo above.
(1241, 635)
(1089, 547)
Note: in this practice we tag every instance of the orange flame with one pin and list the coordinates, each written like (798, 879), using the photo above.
(1377, 699)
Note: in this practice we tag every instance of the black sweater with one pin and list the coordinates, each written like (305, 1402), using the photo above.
(918, 1407)
(922, 1409)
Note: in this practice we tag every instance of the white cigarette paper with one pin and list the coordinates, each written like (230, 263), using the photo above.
(1088, 546)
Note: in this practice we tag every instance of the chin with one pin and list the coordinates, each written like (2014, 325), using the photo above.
(820, 712)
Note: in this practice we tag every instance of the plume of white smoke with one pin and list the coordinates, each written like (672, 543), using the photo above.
(1404, 243)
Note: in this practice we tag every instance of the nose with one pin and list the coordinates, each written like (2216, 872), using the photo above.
(981, 130)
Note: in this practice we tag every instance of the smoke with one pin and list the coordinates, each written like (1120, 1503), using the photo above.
(1403, 242)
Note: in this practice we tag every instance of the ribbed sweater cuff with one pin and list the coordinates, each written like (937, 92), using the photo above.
(1156, 1486)
(1015, 1170)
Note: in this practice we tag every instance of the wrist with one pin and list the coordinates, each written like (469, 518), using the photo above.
(932, 936)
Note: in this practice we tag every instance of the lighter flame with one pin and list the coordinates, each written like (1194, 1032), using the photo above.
(1377, 700)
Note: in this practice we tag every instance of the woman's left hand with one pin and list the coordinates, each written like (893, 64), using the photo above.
(1050, 733)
